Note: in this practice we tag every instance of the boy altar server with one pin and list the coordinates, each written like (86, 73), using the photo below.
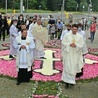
(24, 46)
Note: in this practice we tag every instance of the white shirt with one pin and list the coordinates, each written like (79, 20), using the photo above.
(28, 34)
(64, 33)
(31, 27)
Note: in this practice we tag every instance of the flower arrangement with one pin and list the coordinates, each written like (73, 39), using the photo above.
(47, 86)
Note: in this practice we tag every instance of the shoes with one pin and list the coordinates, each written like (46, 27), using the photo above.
(42, 58)
(10, 56)
(71, 84)
(67, 85)
(18, 83)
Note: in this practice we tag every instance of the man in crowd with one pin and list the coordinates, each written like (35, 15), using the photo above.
(59, 26)
(72, 45)
(64, 32)
(92, 30)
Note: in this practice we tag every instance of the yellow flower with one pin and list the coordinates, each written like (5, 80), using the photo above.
(73, 41)
(27, 43)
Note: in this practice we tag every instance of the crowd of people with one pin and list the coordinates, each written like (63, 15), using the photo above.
(28, 37)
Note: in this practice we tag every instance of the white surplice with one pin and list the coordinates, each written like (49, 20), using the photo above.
(31, 27)
(64, 32)
(28, 34)
(72, 57)
(13, 34)
(82, 33)
(24, 57)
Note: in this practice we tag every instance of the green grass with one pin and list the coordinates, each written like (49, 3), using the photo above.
(37, 11)
(48, 87)
(3, 11)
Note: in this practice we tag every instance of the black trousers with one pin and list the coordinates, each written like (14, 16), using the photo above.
(2, 32)
(24, 75)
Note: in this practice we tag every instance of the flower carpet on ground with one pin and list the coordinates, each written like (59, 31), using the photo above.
(49, 69)
(47, 72)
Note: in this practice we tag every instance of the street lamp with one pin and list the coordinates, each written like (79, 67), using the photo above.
(27, 4)
(6, 6)
(62, 9)
(21, 6)
(89, 10)
(39, 7)
(77, 7)
(83, 8)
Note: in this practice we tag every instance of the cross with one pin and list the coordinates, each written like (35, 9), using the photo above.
(47, 67)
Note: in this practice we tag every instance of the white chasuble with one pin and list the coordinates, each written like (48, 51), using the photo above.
(41, 37)
(72, 57)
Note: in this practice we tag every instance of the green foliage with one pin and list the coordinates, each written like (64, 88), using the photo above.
(85, 4)
(71, 5)
(48, 87)
(53, 5)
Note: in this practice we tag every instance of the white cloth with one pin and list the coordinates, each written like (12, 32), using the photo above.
(13, 34)
(83, 34)
(27, 22)
(41, 37)
(64, 32)
(28, 34)
(31, 27)
(72, 57)
(24, 57)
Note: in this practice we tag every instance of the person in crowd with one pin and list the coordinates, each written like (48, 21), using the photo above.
(72, 56)
(52, 31)
(9, 20)
(27, 21)
(23, 26)
(84, 50)
(32, 25)
(20, 20)
(13, 34)
(59, 26)
(3, 27)
(70, 19)
(24, 45)
(92, 31)
(0, 26)
(64, 32)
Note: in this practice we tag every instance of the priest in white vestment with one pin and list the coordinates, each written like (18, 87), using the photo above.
(41, 38)
(72, 45)
(24, 46)
(13, 34)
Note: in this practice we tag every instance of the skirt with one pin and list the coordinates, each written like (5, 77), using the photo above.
(24, 75)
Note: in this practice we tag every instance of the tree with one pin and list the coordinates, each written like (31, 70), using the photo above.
(71, 5)
(85, 4)
(78, 2)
